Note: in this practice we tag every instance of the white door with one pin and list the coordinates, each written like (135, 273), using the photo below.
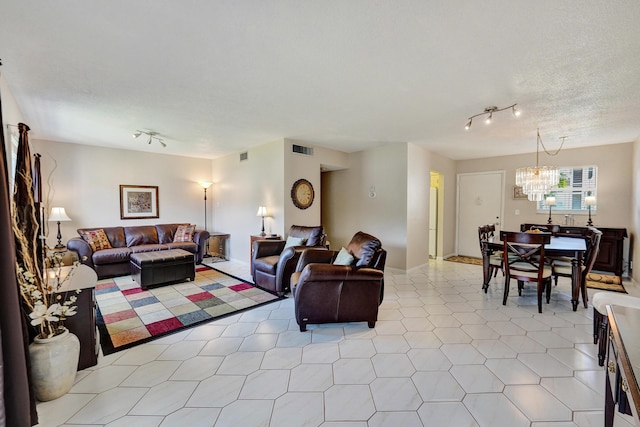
(480, 202)
(433, 222)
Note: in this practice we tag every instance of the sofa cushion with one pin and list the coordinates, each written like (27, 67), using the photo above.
(148, 248)
(111, 256)
(166, 232)
(187, 246)
(141, 235)
(184, 233)
(267, 264)
(364, 246)
(97, 239)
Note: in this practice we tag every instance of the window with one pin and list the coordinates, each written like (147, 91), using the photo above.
(575, 185)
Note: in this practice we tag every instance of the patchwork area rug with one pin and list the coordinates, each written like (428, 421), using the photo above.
(128, 315)
(605, 282)
(465, 260)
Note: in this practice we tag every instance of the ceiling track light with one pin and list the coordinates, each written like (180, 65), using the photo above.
(489, 113)
(152, 136)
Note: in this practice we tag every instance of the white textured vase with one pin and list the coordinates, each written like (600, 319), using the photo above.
(54, 363)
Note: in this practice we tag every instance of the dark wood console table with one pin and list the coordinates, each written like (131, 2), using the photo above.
(623, 362)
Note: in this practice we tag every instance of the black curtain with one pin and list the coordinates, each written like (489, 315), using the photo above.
(18, 401)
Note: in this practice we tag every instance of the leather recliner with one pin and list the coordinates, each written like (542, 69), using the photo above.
(327, 293)
(273, 263)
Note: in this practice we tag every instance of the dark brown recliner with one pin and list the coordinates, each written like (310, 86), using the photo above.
(273, 264)
(327, 293)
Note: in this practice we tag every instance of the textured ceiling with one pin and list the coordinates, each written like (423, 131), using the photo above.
(214, 77)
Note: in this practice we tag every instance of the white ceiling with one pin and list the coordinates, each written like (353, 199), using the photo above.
(214, 77)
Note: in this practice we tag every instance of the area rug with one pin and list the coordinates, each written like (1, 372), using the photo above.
(128, 315)
(465, 260)
(605, 282)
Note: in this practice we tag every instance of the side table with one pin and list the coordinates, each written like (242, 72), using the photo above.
(222, 239)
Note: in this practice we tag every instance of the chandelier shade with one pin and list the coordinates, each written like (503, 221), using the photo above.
(536, 182)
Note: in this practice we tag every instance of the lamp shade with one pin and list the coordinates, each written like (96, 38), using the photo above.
(58, 214)
(550, 201)
(262, 211)
(590, 201)
(206, 184)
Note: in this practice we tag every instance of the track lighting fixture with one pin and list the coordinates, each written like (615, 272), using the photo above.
(489, 112)
(152, 136)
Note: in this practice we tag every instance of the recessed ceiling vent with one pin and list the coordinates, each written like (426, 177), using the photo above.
(307, 151)
(244, 156)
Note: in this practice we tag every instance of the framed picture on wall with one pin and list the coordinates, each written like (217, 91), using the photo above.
(518, 194)
(138, 202)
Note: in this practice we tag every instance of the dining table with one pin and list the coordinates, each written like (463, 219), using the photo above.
(559, 246)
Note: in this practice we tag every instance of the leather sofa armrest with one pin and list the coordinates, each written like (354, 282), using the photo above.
(200, 238)
(330, 272)
(82, 248)
(315, 255)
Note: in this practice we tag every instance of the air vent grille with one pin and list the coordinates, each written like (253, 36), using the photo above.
(244, 156)
(308, 151)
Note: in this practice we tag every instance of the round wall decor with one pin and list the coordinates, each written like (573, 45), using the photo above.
(302, 194)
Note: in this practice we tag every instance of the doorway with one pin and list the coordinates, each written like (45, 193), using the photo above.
(480, 202)
(436, 205)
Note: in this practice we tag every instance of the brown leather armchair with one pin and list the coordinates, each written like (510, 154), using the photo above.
(273, 264)
(327, 293)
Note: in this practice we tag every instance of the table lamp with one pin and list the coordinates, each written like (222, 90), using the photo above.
(590, 201)
(262, 211)
(550, 201)
(58, 215)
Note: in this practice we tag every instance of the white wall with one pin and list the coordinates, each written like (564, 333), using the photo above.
(418, 185)
(11, 114)
(447, 209)
(615, 179)
(85, 181)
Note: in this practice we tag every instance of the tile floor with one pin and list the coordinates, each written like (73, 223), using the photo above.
(443, 353)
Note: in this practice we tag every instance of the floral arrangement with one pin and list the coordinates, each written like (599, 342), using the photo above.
(40, 292)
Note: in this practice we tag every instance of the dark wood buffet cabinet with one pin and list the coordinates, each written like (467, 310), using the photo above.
(622, 394)
(610, 257)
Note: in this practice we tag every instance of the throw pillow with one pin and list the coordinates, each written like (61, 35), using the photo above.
(295, 241)
(97, 239)
(344, 258)
(184, 233)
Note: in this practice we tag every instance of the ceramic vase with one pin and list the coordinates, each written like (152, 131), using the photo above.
(54, 363)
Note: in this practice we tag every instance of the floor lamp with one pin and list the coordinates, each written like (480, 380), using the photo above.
(205, 185)
(58, 215)
(550, 201)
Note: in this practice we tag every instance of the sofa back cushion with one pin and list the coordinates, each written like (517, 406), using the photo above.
(166, 232)
(314, 235)
(114, 234)
(141, 235)
(364, 246)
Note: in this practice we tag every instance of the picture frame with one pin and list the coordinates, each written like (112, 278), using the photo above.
(138, 202)
(518, 194)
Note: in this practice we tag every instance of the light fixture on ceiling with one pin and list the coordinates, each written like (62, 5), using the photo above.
(151, 134)
(489, 112)
(537, 181)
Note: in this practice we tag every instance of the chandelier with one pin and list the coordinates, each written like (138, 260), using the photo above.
(537, 181)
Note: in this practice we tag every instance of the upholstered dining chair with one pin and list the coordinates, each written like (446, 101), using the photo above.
(523, 260)
(340, 286)
(273, 261)
(601, 321)
(562, 266)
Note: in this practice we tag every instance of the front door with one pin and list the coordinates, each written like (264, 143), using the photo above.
(480, 202)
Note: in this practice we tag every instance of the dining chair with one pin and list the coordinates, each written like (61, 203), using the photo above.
(486, 233)
(561, 267)
(523, 260)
